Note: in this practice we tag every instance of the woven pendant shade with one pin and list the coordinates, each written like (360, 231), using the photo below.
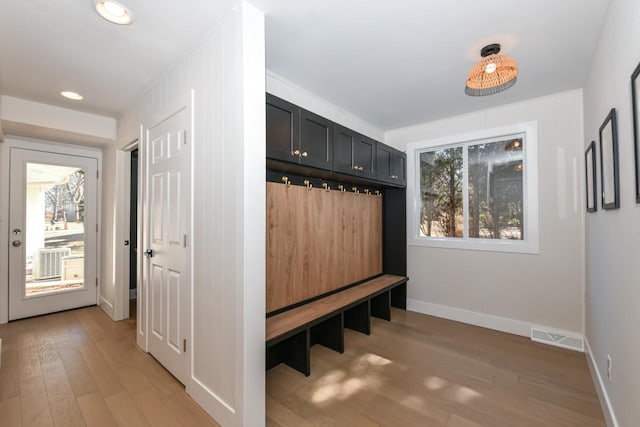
(494, 73)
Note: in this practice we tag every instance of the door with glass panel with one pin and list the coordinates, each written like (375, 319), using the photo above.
(52, 232)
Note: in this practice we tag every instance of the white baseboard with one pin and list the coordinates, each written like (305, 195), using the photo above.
(107, 307)
(603, 396)
(502, 324)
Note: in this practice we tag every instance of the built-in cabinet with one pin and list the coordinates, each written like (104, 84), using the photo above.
(355, 154)
(391, 165)
(295, 135)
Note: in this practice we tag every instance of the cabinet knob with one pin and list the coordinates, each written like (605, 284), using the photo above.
(354, 167)
(296, 152)
(360, 168)
(304, 154)
(394, 176)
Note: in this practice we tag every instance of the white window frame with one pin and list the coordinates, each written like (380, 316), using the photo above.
(529, 132)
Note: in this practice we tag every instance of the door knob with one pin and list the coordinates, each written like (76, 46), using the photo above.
(16, 243)
(148, 253)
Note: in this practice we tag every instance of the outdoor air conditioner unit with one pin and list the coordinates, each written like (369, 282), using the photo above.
(47, 263)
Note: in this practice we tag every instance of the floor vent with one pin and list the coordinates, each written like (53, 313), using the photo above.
(557, 338)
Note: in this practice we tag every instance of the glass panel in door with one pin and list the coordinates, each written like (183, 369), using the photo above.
(54, 229)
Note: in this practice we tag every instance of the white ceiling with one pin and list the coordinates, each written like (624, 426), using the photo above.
(401, 62)
(48, 46)
(391, 62)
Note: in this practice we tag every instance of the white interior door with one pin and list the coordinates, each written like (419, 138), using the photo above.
(52, 232)
(166, 266)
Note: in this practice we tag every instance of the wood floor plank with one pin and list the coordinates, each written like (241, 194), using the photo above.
(102, 374)
(9, 371)
(10, 413)
(150, 403)
(419, 370)
(81, 368)
(125, 412)
(78, 373)
(62, 402)
(34, 404)
(188, 411)
(95, 411)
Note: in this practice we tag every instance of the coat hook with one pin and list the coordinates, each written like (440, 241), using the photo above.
(286, 181)
(355, 190)
(367, 192)
(326, 186)
(378, 193)
(341, 188)
(308, 184)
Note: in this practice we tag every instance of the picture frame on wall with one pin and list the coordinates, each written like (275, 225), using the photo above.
(609, 175)
(590, 169)
(635, 97)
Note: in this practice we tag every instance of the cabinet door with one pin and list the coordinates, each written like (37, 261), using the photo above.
(282, 129)
(399, 168)
(383, 162)
(364, 153)
(343, 141)
(316, 140)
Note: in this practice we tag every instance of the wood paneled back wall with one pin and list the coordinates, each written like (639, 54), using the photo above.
(319, 241)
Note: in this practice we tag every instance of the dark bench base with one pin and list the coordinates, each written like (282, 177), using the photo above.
(294, 348)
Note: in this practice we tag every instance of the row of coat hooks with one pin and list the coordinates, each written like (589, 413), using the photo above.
(307, 183)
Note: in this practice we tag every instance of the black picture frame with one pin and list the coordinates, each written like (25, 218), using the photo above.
(591, 180)
(635, 84)
(609, 176)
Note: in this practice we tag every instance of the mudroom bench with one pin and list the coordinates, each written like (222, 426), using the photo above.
(291, 334)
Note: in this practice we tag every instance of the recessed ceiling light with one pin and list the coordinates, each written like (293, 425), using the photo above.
(72, 95)
(114, 12)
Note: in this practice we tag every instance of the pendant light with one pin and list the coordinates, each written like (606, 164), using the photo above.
(494, 73)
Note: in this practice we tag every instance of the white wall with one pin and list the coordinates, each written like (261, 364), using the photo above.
(613, 236)
(36, 120)
(282, 88)
(512, 291)
(226, 74)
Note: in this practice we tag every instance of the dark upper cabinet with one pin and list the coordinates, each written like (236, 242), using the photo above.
(295, 135)
(316, 140)
(282, 129)
(298, 136)
(354, 154)
(399, 167)
(343, 141)
(390, 165)
(364, 156)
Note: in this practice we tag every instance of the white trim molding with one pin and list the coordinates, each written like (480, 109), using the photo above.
(497, 323)
(603, 396)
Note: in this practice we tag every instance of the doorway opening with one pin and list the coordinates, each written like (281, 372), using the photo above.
(133, 236)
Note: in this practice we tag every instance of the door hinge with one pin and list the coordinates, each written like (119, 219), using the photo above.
(184, 240)
(184, 345)
(96, 228)
(184, 136)
(98, 174)
(96, 282)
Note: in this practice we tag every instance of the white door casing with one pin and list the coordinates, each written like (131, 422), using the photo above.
(166, 266)
(20, 304)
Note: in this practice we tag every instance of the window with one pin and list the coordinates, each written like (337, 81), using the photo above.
(476, 191)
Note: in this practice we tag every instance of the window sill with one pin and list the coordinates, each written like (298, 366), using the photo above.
(483, 245)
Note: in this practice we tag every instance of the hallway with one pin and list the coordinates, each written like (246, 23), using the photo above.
(79, 368)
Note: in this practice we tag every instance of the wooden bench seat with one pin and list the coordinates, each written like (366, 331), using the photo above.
(291, 334)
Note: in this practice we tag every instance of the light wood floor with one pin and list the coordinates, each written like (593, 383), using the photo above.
(423, 371)
(80, 368)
